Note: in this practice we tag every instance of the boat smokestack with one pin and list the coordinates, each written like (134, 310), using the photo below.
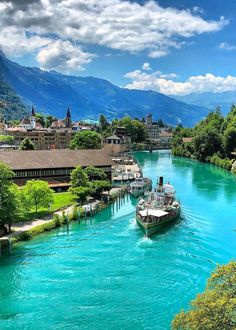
(161, 181)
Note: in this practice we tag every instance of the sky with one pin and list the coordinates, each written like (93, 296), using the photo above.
(176, 47)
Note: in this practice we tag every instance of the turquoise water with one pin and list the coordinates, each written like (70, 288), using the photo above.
(103, 274)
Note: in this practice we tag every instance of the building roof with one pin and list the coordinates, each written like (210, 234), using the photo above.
(58, 123)
(25, 120)
(164, 133)
(153, 212)
(113, 137)
(39, 159)
(187, 139)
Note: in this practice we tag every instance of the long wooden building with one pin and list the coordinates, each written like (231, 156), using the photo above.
(54, 166)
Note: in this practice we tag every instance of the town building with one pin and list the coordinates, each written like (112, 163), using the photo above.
(117, 143)
(57, 136)
(153, 130)
(159, 137)
(53, 166)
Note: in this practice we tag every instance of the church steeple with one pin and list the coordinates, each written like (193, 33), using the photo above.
(33, 112)
(68, 113)
(33, 119)
(68, 120)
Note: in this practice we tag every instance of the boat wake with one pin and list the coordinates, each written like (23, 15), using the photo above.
(145, 241)
(133, 224)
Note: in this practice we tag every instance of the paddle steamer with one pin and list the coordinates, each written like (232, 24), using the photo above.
(157, 209)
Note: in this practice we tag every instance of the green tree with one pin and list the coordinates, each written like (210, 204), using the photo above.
(27, 144)
(135, 128)
(98, 186)
(79, 178)
(40, 118)
(139, 131)
(8, 197)
(49, 120)
(86, 140)
(95, 173)
(38, 194)
(230, 139)
(215, 308)
(81, 193)
(7, 139)
(103, 123)
(206, 143)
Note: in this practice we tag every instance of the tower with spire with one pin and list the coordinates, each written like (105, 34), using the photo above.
(68, 121)
(33, 118)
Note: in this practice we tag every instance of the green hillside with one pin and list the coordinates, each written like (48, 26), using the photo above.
(11, 107)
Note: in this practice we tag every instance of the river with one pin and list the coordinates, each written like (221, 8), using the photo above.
(103, 274)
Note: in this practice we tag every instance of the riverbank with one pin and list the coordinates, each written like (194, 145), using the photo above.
(105, 272)
(26, 230)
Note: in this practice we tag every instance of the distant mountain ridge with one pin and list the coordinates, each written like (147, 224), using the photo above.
(52, 93)
(211, 100)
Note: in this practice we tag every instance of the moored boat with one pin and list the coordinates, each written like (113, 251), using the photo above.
(157, 209)
(140, 186)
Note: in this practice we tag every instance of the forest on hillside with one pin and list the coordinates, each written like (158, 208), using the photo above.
(213, 139)
(11, 106)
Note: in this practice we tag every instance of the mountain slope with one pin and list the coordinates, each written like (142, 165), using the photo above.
(88, 97)
(11, 106)
(211, 100)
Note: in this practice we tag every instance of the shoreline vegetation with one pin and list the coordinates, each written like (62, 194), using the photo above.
(215, 307)
(48, 219)
(34, 208)
(212, 140)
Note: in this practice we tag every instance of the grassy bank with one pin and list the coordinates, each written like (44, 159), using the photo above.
(56, 221)
(27, 231)
(61, 200)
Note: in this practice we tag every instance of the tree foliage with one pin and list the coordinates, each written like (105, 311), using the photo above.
(215, 308)
(45, 120)
(213, 139)
(91, 181)
(38, 194)
(8, 197)
(103, 123)
(79, 178)
(86, 140)
(95, 173)
(11, 106)
(27, 144)
(7, 139)
(135, 128)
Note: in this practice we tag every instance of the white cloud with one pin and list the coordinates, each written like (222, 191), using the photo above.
(226, 46)
(117, 24)
(146, 66)
(15, 42)
(198, 10)
(163, 83)
(63, 56)
(158, 53)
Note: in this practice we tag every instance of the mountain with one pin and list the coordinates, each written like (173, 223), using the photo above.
(52, 92)
(11, 106)
(211, 100)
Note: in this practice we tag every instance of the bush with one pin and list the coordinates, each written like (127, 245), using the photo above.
(214, 308)
(225, 163)
(75, 214)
